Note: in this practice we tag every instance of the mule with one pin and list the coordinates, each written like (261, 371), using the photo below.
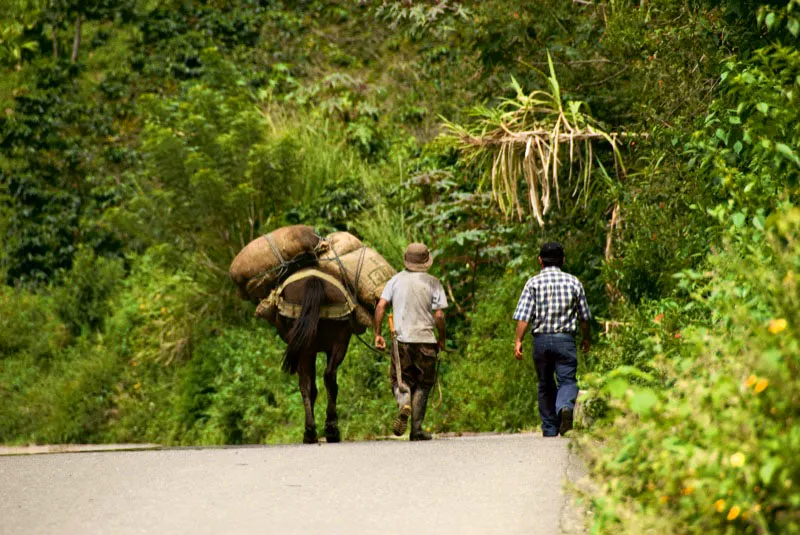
(308, 335)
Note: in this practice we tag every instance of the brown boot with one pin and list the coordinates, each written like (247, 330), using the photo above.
(401, 422)
(403, 398)
(419, 404)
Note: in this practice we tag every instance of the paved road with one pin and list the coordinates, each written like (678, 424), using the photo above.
(483, 484)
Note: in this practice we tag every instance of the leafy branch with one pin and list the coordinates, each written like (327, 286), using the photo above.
(527, 137)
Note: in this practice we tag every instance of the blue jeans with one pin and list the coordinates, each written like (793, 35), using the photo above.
(555, 354)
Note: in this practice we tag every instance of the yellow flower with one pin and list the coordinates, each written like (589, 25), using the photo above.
(757, 508)
(719, 505)
(777, 325)
(761, 385)
(663, 499)
(688, 490)
(137, 386)
(750, 381)
(737, 460)
(163, 311)
(733, 514)
(142, 306)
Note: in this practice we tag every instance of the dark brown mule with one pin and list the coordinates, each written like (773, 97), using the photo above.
(308, 335)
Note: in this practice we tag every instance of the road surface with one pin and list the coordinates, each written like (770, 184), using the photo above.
(482, 484)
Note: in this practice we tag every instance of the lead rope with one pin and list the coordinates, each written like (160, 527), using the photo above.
(401, 386)
(438, 383)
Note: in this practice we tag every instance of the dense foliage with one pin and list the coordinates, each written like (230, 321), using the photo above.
(144, 143)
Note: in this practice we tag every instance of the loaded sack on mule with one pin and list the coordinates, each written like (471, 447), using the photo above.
(338, 243)
(364, 270)
(267, 262)
(287, 300)
(259, 266)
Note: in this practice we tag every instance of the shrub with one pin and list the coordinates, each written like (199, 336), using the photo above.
(83, 298)
(716, 450)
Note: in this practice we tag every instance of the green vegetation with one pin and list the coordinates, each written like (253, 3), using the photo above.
(144, 143)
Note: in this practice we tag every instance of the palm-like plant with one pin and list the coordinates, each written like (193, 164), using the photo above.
(527, 137)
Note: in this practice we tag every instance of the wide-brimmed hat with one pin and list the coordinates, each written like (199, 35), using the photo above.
(417, 257)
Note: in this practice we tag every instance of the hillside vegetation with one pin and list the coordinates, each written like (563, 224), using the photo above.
(143, 143)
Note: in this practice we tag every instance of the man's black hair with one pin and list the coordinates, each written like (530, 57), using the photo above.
(552, 254)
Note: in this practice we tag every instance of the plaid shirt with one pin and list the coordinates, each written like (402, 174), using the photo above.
(552, 301)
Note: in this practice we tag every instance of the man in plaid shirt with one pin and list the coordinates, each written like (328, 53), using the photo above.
(553, 301)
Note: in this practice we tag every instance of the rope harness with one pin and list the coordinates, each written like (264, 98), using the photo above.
(285, 266)
(354, 289)
(334, 311)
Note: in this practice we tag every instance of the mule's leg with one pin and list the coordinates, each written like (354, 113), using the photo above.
(335, 357)
(308, 389)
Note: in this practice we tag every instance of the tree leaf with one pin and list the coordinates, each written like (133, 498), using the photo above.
(787, 151)
(643, 401)
(794, 26)
(768, 470)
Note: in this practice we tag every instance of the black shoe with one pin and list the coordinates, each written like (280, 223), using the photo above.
(419, 403)
(566, 421)
(420, 435)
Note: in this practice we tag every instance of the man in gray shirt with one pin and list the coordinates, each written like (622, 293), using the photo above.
(418, 301)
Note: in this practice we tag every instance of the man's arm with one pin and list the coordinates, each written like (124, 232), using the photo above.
(586, 343)
(584, 315)
(438, 318)
(524, 315)
(522, 327)
(380, 311)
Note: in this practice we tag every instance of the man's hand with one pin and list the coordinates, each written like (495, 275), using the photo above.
(586, 345)
(522, 327)
(441, 344)
(518, 349)
(380, 342)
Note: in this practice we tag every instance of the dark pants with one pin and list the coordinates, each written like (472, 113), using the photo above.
(418, 365)
(555, 354)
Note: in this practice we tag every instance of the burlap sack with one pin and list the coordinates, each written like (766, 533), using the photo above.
(363, 319)
(254, 270)
(268, 310)
(340, 243)
(366, 265)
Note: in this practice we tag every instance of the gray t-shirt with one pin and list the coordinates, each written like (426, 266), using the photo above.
(414, 296)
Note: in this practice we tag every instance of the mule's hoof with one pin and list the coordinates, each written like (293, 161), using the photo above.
(332, 434)
(310, 436)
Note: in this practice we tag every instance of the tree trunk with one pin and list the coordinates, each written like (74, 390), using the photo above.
(54, 37)
(76, 45)
(611, 287)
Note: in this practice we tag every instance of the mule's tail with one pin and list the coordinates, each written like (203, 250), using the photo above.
(304, 331)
